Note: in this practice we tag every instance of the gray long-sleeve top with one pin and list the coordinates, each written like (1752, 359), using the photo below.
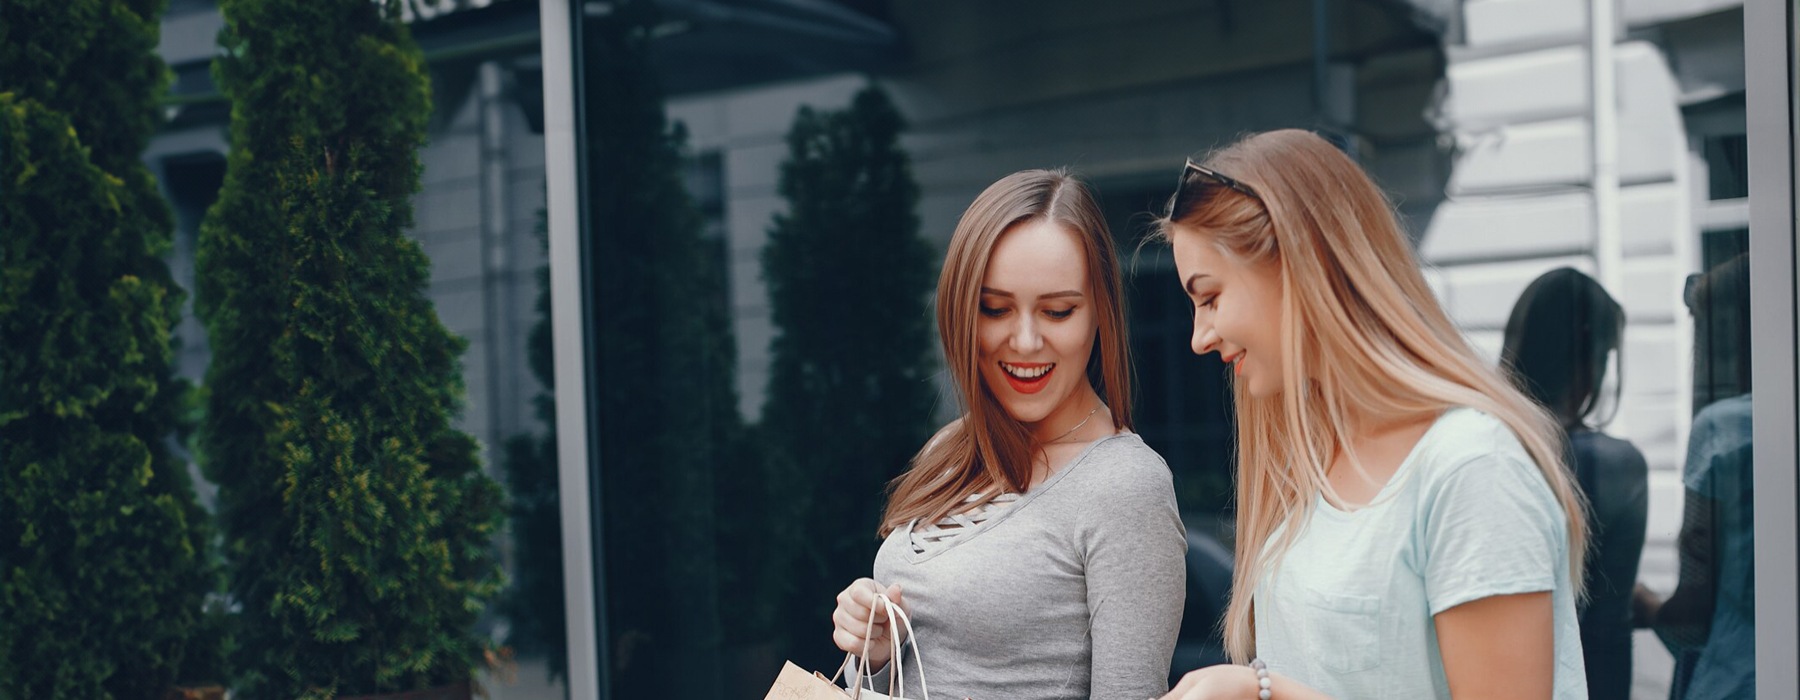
(1073, 591)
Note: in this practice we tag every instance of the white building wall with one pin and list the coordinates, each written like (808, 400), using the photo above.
(1519, 205)
(1517, 106)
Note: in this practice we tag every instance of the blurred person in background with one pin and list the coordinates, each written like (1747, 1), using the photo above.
(1559, 339)
(1709, 622)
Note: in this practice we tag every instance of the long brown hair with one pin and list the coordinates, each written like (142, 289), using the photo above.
(1361, 328)
(986, 451)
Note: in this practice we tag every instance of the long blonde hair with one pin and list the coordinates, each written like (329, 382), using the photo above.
(986, 447)
(1360, 327)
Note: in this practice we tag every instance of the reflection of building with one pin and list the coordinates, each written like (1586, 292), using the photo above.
(1517, 106)
(1121, 93)
(1473, 113)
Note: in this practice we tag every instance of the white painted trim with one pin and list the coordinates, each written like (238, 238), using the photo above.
(1723, 214)
(563, 211)
(1769, 34)
(1603, 106)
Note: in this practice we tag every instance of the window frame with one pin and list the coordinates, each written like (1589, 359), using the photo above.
(1770, 71)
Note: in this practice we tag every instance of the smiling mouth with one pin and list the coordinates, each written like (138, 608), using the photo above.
(1028, 378)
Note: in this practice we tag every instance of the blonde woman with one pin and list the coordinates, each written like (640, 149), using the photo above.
(1035, 542)
(1406, 525)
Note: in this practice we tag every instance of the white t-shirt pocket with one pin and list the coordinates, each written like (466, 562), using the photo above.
(1348, 627)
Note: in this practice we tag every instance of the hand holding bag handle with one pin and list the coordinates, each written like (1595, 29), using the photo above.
(896, 679)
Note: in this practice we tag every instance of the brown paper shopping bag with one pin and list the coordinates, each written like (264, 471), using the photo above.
(795, 683)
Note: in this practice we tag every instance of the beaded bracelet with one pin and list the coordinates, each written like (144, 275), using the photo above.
(1262, 679)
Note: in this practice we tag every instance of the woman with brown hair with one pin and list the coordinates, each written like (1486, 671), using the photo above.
(1406, 527)
(1564, 333)
(1035, 542)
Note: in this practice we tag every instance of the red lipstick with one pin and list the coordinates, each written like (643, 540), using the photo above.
(1028, 386)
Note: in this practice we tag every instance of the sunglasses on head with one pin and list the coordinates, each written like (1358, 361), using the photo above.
(1194, 178)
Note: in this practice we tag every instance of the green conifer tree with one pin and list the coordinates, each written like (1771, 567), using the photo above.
(850, 392)
(357, 520)
(104, 552)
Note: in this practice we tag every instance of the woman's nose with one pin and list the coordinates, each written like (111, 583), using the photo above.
(1205, 340)
(1025, 338)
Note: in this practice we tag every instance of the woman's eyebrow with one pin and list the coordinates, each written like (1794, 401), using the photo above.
(1196, 277)
(990, 291)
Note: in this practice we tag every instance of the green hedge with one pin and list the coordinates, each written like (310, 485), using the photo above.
(104, 553)
(357, 520)
(101, 569)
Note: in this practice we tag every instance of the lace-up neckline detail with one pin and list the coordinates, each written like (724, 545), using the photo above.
(924, 541)
(940, 534)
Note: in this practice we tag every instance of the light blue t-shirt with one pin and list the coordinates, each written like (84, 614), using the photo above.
(1718, 467)
(1467, 516)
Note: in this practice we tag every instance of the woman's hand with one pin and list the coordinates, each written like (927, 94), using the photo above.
(1222, 682)
(1226, 682)
(853, 632)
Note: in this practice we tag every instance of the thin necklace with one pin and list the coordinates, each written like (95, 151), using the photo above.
(1083, 422)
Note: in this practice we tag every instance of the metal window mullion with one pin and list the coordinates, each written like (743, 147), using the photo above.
(1769, 100)
(583, 586)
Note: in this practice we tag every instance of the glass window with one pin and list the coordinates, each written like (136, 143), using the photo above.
(722, 542)
(1727, 161)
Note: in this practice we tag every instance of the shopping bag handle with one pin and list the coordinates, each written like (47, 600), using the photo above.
(897, 679)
